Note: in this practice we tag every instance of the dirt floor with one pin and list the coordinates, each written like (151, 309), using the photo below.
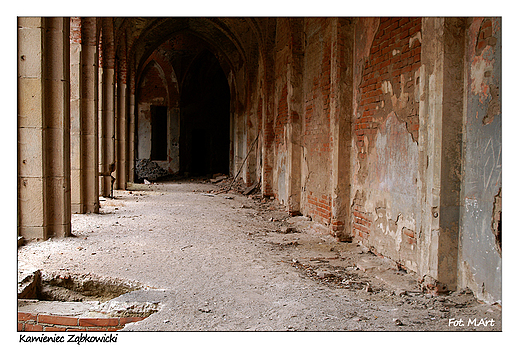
(223, 261)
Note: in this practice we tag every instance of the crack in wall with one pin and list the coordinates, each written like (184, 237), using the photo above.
(496, 223)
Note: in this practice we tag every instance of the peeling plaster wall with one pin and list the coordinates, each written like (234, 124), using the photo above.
(391, 188)
(385, 186)
(480, 261)
(316, 133)
(405, 188)
(281, 108)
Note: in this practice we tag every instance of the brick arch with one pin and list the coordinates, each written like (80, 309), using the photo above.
(169, 77)
(152, 74)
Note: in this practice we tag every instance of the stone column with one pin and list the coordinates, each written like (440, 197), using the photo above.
(122, 108)
(106, 107)
(84, 120)
(77, 200)
(441, 113)
(43, 128)
(89, 110)
(121, 135)
(268, 120)
(295, 108)
(131, 135)
(341, 111)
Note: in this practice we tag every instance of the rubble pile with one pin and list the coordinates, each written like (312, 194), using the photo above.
(149, 170)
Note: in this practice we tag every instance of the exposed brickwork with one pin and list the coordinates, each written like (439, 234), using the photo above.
(121, 63)
(108, 43)
(100, 50)
(410, 236)
(388, 85)
(152, 87)
(394, 57)
(361, 224)
(75, 30)
(28, 322)
(320, 207)
(485, 36)
(316, 131)
(89, 31)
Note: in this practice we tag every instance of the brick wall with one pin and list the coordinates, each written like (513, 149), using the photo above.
(28, 322)
(387, 85)
(395, 52)
(75, 30)
(152, 87)
(361, 223)
(320, 207)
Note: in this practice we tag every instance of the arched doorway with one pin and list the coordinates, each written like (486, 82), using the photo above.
(205, 115)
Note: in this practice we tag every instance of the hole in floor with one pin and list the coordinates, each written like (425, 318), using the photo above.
(87, 294)
(88, 287)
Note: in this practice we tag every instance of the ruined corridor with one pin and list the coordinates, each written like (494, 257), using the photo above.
(211, 160)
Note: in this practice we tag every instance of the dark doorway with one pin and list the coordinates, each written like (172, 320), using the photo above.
(204, 129)
(159, 133)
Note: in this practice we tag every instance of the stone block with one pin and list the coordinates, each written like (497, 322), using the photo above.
(29, 22)
(30, 152)
(30, 52)
(75, 152)
(31, 204)
(32, 232)
(30, 104)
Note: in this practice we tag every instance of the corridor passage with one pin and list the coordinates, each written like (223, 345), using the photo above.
(221, 261)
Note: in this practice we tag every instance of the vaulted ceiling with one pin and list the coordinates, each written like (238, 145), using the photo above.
(235, 40)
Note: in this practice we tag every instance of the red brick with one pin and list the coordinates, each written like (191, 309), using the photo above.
(361, 228)
(406, 69)
(20, 326)
(98, 322)
(33, 328)
(408, 232)
(481, 45)
(58, 320)
(24, 316)
(486, 23)
(363, 216)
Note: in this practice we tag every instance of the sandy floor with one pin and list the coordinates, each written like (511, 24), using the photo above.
(228, 262)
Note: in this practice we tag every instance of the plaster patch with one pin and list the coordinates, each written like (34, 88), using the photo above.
(480, 73)
(417, 37)
(395, 159)
(386, 87)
